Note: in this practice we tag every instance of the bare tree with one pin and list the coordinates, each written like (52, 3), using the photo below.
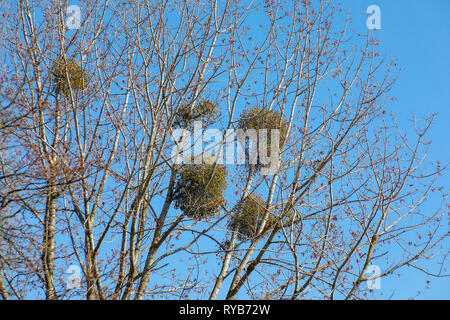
(88, 175)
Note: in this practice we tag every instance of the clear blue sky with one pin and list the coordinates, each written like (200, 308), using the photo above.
(418, 34)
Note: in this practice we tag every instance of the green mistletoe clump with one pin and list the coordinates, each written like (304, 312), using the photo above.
(259, 118)
(205, 110)
(199, 190)
(249, 215)
(68, 74)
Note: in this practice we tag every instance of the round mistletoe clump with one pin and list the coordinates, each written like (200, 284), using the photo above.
(205, 110)
(199, 190)
(68, 74)
(249, 215)
(259, 118)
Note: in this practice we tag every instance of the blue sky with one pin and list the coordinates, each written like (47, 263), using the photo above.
(417, 33)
